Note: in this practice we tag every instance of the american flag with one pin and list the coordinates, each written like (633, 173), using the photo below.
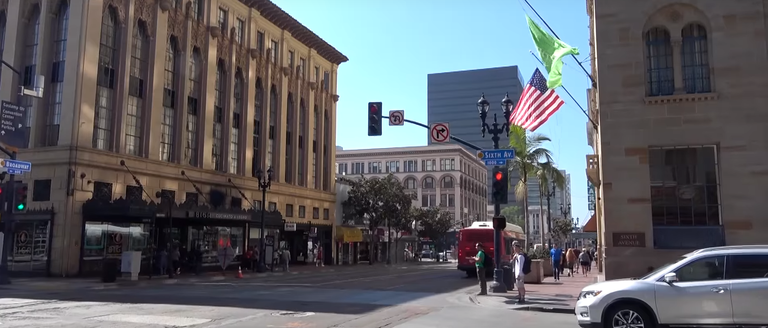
(536, 105)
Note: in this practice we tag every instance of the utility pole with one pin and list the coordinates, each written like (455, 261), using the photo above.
(549, 214)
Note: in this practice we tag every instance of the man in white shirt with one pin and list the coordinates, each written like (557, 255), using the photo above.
(519, 261)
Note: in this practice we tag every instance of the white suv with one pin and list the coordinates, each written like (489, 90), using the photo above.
(718, 286)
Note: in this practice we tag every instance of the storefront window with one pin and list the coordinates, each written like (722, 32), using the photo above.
(106, 240)
(210, 239)
(30, 246)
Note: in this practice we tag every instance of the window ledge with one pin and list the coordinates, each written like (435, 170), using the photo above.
(657, 100)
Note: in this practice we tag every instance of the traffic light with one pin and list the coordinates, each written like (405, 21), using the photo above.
(20, 198)
(374, 119)
(499, 185)
(499, 222)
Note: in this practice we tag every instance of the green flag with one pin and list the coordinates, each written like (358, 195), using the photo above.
(551, 50)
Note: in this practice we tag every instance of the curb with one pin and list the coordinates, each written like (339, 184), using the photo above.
(164, 280)
(546, 309)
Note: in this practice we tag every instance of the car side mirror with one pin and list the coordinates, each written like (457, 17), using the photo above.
(670, 278)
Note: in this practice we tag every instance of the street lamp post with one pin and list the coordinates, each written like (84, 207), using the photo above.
(265, 182)
(496, 129)
(549, 214)
(565, 211)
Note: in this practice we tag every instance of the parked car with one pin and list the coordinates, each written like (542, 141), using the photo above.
(426, 254)
(718, 286)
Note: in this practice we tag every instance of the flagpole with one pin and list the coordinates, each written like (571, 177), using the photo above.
(594, 83)
(594, 125)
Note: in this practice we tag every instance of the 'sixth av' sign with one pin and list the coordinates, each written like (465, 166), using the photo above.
(628, 239)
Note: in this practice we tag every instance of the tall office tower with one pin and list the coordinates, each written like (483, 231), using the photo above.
(452, 98)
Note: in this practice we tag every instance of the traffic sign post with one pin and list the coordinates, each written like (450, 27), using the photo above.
(12, 120)
(439, 132)
(396, 117)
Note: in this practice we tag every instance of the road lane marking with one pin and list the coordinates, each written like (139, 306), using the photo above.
(152, 320)
(393, 287)
(365, 278)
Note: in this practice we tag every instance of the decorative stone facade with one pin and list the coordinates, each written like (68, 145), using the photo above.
(727, 110)
(72, 164)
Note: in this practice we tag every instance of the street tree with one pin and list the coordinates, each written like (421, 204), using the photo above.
(434, 223)
(561, 229)
(529, 153)
(396, 210)
(376, 200)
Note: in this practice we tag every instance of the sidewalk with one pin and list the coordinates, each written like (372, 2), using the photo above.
(94, 283)
(549, 296)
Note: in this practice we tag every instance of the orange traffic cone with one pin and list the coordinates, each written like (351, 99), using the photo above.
(239, 273)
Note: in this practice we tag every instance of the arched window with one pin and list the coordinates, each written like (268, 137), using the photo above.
(273, 147)
(409, 183)
(31, 40)
(258, 108)
(56, 94)
(326, 158)
(193, 106)
(660, 69)
(170, 85)
(289, 118)
(447, 182)
(234, 133)
(2, 33)
(219, 101)
(137, 85)
(315, 153)
(303, 113)
(428, 183)
(106, 81)
(695, 59)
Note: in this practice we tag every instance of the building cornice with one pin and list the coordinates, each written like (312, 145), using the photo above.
(398, 152)
(298, 31)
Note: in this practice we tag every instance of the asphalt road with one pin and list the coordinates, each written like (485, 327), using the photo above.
(377, 297)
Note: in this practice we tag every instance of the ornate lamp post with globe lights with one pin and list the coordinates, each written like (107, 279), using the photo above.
(496, 129)
(265, 182)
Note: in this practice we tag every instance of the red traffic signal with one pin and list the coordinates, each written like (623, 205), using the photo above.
(498, 176)
(374, 109)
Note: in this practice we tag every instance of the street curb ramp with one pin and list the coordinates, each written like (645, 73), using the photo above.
(546, 309)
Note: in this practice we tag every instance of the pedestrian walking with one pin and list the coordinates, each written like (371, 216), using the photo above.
(556, 255)
(572, 260)
(286, 254)
(480, 262)
(522, 265)
(585, 262)
(163, 261)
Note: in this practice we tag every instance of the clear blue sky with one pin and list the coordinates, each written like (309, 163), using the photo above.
(392, 46)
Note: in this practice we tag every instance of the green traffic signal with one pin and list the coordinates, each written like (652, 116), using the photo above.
(20, 207)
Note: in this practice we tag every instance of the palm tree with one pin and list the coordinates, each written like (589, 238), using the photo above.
(547, 172)
(529, 154)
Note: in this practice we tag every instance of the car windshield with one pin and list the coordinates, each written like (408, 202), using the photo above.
(661, 268)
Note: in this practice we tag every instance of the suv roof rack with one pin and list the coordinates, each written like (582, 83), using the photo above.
(732, 247)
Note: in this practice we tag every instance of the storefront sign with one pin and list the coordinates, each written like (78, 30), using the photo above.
(628, 239)
(217, 215)
(115, 245)
(349, 235)
(290, 226)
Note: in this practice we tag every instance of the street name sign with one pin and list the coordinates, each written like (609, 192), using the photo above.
(12, 120)
(496, 154)
(10, 164)
(495, 162)
(12, 171)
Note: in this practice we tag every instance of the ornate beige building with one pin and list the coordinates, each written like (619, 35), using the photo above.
(682, 113)
(445, 176)
(217, 89)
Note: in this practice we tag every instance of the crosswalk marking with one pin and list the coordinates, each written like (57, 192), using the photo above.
(166, 321)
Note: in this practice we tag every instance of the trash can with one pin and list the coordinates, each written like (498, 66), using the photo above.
(509, 277)
(109, 271)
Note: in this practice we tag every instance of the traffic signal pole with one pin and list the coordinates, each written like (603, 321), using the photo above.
(7, 218)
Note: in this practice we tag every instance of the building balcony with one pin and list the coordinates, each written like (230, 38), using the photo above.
(593, 169)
